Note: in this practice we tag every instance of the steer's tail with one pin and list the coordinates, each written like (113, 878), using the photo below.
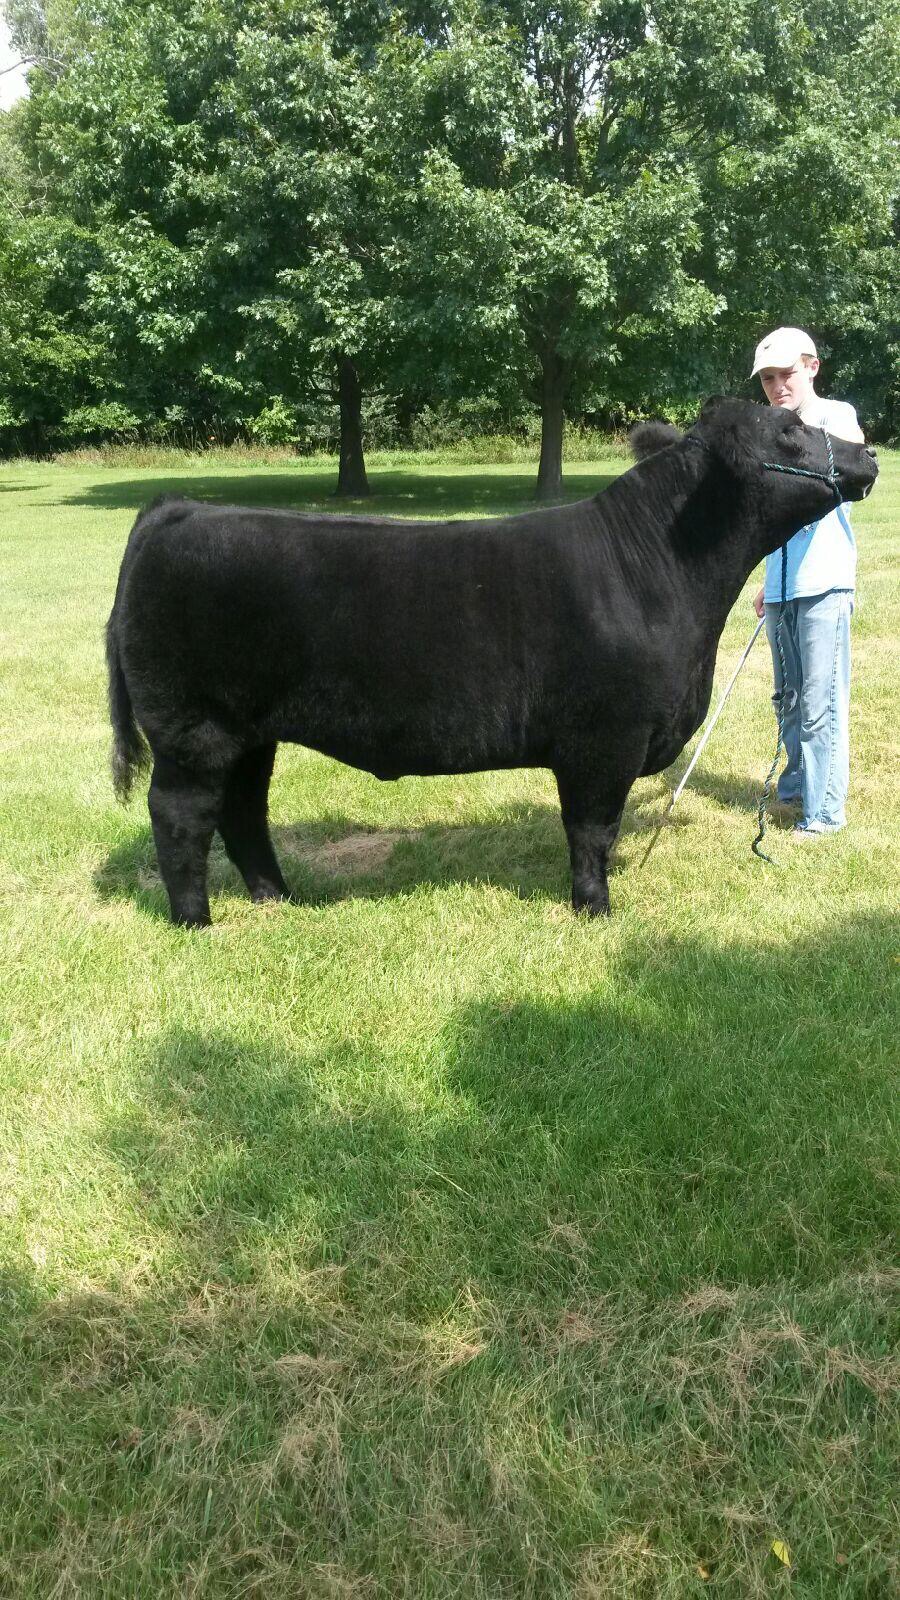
(129, 751)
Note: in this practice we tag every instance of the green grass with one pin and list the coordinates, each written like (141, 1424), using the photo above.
(422, 1240)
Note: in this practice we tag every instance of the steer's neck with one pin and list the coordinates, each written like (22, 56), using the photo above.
(692, 528)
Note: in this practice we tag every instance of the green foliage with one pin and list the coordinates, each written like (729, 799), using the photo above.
(688, 182)
(208, 207)
(275, 424)
(112, 420)
(45, 351)
(864, 343)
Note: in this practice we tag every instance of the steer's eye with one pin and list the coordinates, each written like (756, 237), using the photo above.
(793, 433)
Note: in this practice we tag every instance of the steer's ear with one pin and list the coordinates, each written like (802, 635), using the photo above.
(645, 438)
(729, 428)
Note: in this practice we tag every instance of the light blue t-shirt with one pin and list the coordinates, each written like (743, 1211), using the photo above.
(821, 556)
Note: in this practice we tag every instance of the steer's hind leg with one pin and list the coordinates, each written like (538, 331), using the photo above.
(244, 826)
(591, 811)
(184, 808)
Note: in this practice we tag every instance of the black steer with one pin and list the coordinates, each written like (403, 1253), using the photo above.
(581, 638)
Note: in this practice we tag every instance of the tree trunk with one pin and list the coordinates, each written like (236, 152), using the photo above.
(352, 478)
(553, 393)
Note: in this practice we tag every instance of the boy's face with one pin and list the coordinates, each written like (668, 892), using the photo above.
(788, 386)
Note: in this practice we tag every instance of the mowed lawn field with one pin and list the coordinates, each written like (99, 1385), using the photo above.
(422, 1239)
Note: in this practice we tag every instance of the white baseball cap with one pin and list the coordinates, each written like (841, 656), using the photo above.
(782, 348)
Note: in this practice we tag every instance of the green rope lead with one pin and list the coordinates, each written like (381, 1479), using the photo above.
(779, 701)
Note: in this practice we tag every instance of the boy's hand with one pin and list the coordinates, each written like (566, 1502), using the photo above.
(759, 604)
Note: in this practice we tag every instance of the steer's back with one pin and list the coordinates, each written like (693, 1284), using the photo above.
(396, 646)
(399, 647)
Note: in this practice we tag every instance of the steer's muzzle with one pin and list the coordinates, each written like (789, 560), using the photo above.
(857, 481)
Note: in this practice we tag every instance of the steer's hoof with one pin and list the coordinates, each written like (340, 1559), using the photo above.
(594, 907)
(267, 892)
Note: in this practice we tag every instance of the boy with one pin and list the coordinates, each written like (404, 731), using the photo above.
(815, 634)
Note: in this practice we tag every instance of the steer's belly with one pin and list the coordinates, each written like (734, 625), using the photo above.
(411, 764)
(402, 749)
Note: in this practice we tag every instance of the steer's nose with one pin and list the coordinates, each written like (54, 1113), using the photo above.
(873, 458)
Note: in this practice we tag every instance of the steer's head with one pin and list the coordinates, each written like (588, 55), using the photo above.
(787, 474)
(765, 465)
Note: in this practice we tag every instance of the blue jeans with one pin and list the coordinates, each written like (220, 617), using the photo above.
(815, 638)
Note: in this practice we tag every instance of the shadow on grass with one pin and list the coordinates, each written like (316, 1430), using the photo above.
(584, 1268)
(726, 789)
(335, 858)
(427, 492)
(712, 1115)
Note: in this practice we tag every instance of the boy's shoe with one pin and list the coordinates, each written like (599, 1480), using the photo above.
(814, 830)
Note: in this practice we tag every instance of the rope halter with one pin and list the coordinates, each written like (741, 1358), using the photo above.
(793, 472)
(801, 472)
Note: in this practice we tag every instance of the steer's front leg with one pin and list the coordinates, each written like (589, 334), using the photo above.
(592, 813)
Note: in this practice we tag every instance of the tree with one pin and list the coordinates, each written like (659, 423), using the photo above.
(278, 209)
(861, 343)
(222, 154)
(646, 153)
(304, 205)
(44, 348)
(43, 31)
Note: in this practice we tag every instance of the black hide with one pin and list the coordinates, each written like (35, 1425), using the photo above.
(580, 638)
